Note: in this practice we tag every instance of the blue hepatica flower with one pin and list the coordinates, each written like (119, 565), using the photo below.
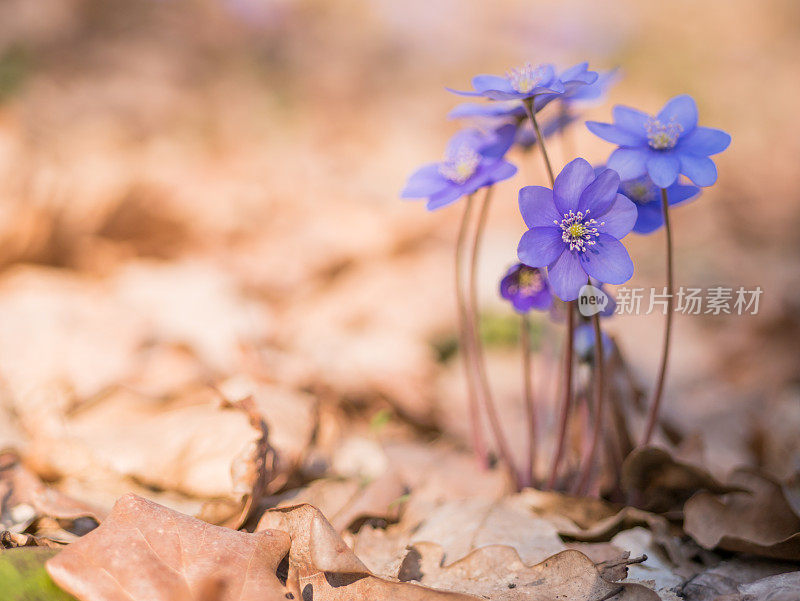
(526, 288)
(591, 92)
(520, 83)
(647, 198)
(576, 80)
(498, 114)
(575, 229)
(664, 146)
(473, 160)
(584, 343)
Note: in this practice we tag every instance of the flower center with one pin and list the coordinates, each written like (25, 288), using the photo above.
(529, 281)
(460, 165)
(638, 191)
(662, 136)
(524, 79)
(579, 230)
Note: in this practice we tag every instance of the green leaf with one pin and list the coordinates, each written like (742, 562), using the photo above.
(23, 577)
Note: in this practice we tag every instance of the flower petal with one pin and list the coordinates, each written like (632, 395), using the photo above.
(663, 168)
(701, 170)
(614, 134)
(618, 220)
(607, 261)
(598, 196)
(704, 141)
(424, 181)
(447, 196)
(630, 119)
(650, 217)
(485, 83)
(630, 163)
(570, 183)
(566, 275)
(537, 206)
(540, 246)
(679, 193)
(683, 110)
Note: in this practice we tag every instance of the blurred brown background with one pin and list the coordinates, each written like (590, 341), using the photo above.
(195, 189)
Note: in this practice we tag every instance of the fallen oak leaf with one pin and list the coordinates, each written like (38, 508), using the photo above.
(24, 498)
(324, 568)
(497, 573)
(146, 552)
(759, 521)
(655, 481)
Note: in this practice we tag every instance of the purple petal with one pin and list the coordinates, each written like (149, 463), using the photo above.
(701, 170)
(424, 182)
(607, 261)
(598, 196)
(679, 193)
(630, 163)
(614, 133)
(650, 217)
(501, 170)
(683, 110)
(540, 246)
(537, 206)
(485, 83)
(570, 183)
(619, 219)
(630, 119)
(663, 168)
(566, 276)
(704, 141)
(449, 195)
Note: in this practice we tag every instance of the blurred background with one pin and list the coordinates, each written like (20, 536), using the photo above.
(198, 190)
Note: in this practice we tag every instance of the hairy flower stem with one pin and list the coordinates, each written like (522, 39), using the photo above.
(566, 389)
(479, 361)
(465, 341)
(599, 396)
(655, 404)
(528, 477)
(539, 139)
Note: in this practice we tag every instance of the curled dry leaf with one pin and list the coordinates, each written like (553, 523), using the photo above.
(498, 573)
(24, 499)
(323, 568)
(655, 481)
(759, 521)
(722, 581)
(146, 552)
(348, 503)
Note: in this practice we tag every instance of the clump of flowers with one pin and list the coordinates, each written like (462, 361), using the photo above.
(572, 246)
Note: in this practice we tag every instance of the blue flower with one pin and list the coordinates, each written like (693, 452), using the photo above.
(584, 343)
(593, 91)
(526, 288)
(647, 198)
(575, 80)
(521, 83)
(497, 114)
(664, 146)
(473, 160)
(575, 229)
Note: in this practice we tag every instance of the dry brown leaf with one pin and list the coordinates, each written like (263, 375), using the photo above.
(655, 481)
(760, 521)
(348, 503)
(724, 580)
(497, 573)
(24, 499)
(324, 568)
(460, 527)
(146, 552)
